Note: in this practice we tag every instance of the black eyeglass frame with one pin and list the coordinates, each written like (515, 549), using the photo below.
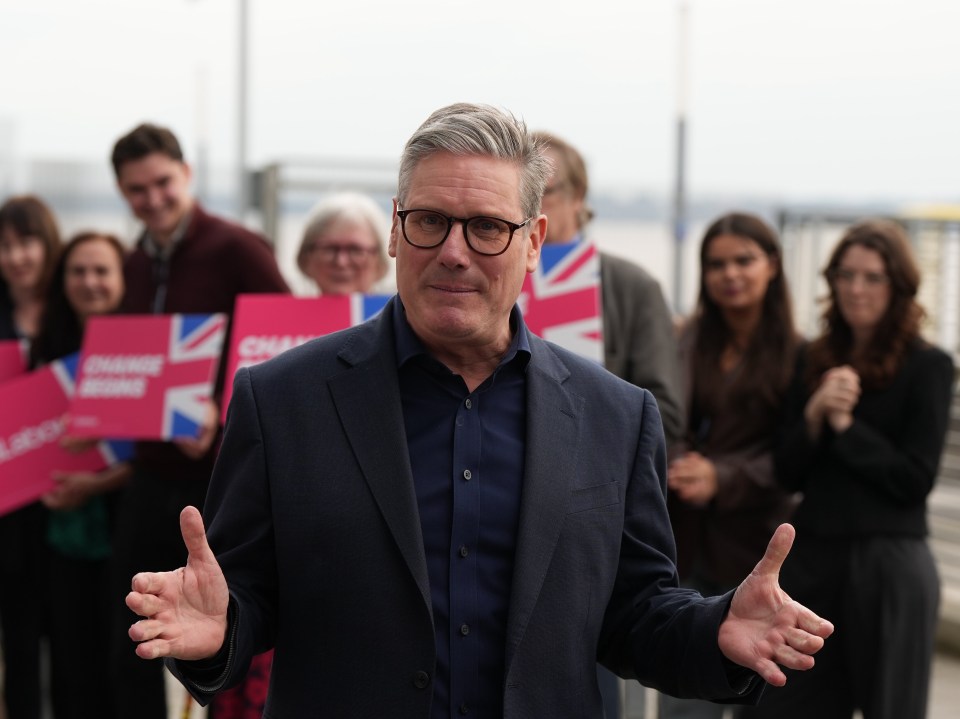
(402, 214)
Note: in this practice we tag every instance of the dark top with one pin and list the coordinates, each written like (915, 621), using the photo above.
(720, 543)
(8, 329)
(466, 453)
(214, 262)
(874, 478)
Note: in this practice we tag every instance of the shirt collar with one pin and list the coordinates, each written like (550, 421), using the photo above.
(154, 250)
(409, 346)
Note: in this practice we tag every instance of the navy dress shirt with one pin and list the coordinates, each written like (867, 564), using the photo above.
(467, 453)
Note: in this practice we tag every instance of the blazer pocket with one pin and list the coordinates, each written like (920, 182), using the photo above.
(602, 495)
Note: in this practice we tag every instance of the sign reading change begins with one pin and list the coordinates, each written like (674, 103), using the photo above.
(146, 376)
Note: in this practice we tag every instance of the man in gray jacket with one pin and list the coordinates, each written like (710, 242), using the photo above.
(638, 336)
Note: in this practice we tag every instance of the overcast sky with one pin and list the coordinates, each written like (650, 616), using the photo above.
(806, 99)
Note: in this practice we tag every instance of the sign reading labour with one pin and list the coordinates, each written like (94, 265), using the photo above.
(560, 300)
(266, 325)
(146, 376)
(31, 427)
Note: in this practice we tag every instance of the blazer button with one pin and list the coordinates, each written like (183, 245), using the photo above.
(421, 679)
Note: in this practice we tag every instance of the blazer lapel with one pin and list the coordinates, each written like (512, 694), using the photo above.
(553, 436)
(367, 399)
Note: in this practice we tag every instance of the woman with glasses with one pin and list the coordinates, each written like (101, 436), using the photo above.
(736, 355)
(343, 245)
(869, 408)
(29, 244)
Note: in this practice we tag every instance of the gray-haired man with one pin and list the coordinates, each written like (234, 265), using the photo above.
(438, 514)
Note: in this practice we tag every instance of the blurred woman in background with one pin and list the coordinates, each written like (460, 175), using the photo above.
(344, 244)
(868, 413)
(87, 281)
(736, 356)
(29, 243)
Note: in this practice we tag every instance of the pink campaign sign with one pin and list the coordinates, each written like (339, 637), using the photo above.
(266, 325)
(13, 359)
(31, 427)
(146, 376)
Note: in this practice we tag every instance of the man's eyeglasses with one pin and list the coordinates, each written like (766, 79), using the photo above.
(355, 254)
(485, 235)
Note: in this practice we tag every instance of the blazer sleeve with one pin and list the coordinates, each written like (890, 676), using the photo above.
(238, 517)
(664, 635)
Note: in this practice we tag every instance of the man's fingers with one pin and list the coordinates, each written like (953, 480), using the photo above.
(770, 673)
(803, 641)
(154, 649)
(792, 659)
(814, 624)
(146, 629)
(146, 605)
(777, 551)
(148, 582)
(194, 536)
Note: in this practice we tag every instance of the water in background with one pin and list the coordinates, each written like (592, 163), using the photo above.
(648, 243)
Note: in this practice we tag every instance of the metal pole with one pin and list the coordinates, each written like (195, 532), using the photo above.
(202, 164)
(242, 184)
(679, 196)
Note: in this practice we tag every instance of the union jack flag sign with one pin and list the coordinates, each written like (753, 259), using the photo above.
(560, 301)
(146, 376)
(30, 432)
(266, 325)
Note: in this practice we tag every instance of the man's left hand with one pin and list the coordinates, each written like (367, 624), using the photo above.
(765, 628)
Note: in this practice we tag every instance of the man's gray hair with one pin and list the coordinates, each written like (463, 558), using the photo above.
(470, 129)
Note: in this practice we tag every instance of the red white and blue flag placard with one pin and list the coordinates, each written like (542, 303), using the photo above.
(31, 427)
(146, 376)
(266, 325)
(560, 301)
(13, 359)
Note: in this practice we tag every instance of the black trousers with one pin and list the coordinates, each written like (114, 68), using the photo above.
(147, 540)
(882, 595)
(23, 608)
(79, 629)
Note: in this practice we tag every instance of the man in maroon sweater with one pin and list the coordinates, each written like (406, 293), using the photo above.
(185, 261)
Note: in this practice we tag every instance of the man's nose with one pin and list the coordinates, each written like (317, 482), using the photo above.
(455, 251)
(154, 197)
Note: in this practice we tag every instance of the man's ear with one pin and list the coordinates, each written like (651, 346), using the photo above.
(538, 231)
(394, 230)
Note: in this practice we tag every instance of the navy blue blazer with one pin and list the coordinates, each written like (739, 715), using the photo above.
(313, 517)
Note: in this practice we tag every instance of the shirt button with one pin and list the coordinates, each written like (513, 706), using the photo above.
(464, 709)
(463, 550)
(468, 403)
(464, 629)
(467, 474)
(421, 679)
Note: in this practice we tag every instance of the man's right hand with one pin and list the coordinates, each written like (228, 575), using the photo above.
(185, 610)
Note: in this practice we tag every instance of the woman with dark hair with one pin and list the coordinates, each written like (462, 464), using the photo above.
(737, 355)
(87, 281)
(869, 407)
(29, 243)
